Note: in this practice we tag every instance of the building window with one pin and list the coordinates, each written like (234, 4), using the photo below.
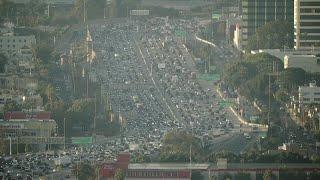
(306, 99)
(19, 40)
(13, 40)
(316, 99)
(8, 40)
(8, 46)
(317, 93)
(25, 40)
(14, 46)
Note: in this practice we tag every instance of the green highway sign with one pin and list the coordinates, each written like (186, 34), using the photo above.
(209, 77)
(216, 16)
(263, 134)
(81, 140)
(180, 33)
(225, 103)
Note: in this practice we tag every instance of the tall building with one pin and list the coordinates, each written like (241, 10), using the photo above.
(307, 24)
(256, 13)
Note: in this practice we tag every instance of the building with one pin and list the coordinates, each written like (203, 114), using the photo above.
(157, 171)
(309, 94)
(307, 25)
(309, 63)
(294, 59)
(46, 1)
(33, 128)
(12, 44)
(14, 82)
(256, 13)
(237, 37)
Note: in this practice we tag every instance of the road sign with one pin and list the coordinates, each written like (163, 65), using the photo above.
(263, 135)
(180, 33)
(209, 77)
(216, 16)
(81, 140)
(225, 103)
(139, 12)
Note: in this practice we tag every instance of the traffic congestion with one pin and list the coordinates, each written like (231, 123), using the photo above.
(150, 79)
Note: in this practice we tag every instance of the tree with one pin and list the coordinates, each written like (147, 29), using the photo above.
(84, 171)
(3, 146)
(58, 111)
(50, 91)
(242, 176)
(176, 147)
(225, 176)
(6, 8)
(267, 175)
(282, 96)
(273, 35)
(3, 62)
(196, 175)
(119, 174)
(11, 106)
(81, 113)
(44, 52)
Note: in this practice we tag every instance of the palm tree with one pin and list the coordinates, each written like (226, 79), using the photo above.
(3, 62)
(267, 175)
(84, 171)
(49, 92)
(119, 174)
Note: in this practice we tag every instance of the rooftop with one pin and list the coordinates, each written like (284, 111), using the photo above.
(169, 166)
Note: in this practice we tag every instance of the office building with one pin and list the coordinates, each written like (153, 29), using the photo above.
(307, 25)
(256, 13)
(309, 94)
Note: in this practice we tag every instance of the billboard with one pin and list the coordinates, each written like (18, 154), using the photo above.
(81, 140)
(139, 12)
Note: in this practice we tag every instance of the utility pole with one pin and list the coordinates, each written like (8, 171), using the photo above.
(84, 11)
(87, 88)
(10, 142)
(64, 133)
(95, 117)
(48, 10)
(269, 103)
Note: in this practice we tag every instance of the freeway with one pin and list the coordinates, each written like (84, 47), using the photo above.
(153, 100)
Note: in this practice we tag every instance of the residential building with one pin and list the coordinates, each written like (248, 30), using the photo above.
(309, 94)
(12, 44)
(256, 13)
(307, 25)
(14, 82)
